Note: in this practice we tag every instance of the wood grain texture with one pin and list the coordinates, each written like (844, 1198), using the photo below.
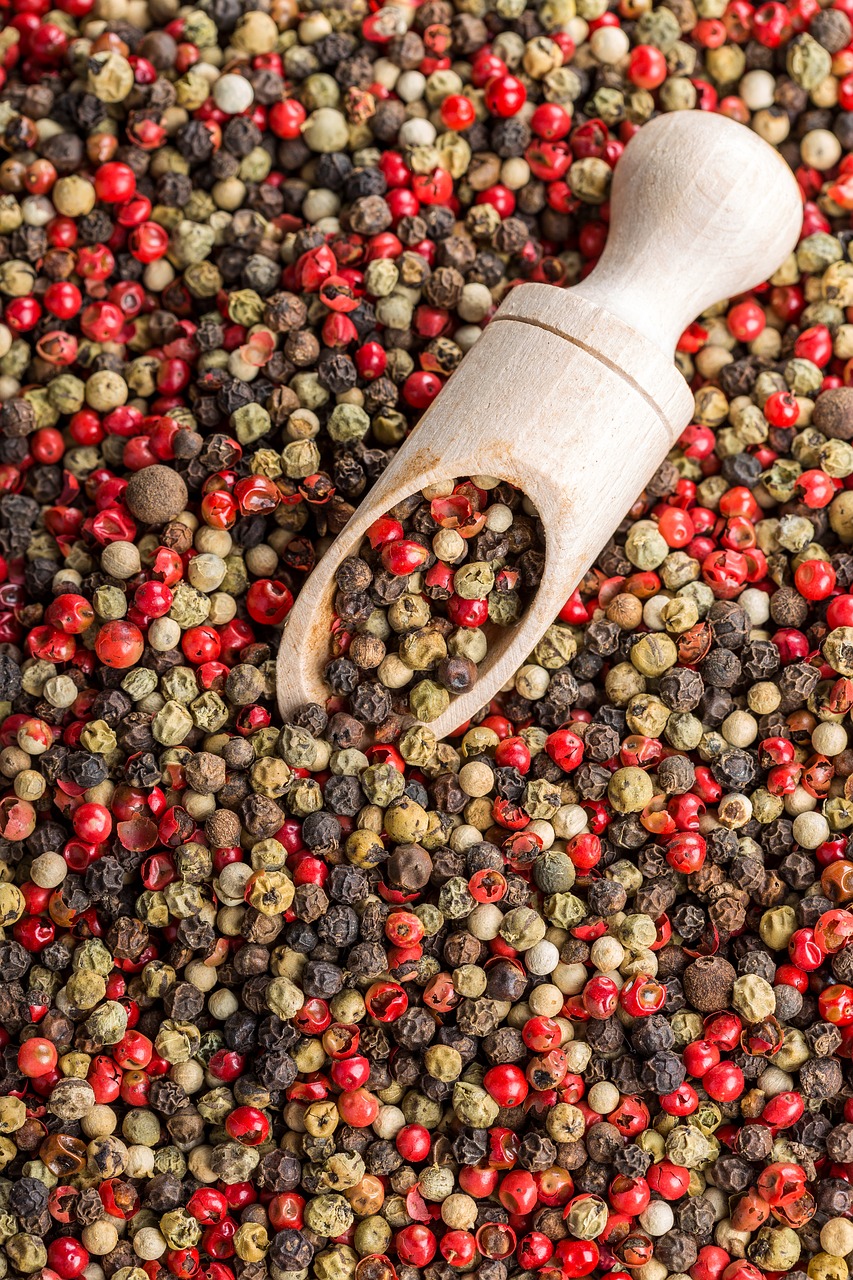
(572, 395)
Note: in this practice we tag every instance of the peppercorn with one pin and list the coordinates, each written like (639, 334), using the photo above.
(338, 899)
(156, 494)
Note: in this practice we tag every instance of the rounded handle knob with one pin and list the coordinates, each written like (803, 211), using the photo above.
(701, 209)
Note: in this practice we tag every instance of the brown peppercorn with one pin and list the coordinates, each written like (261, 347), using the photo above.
(833, 413)
(156, 494)
(708, 983)
(409, 867)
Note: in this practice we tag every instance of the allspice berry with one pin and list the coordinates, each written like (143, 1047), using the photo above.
(708, 983)
(156, 494)
(833, 413)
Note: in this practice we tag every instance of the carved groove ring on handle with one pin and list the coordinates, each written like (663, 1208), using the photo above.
(596, 354)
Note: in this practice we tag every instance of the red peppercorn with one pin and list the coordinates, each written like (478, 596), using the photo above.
(746, 320)
(642, 996)
(67, 1257)
(683, 1101)
(403, 556)
(723, 1082)
(577, 1257)
(804, 950)
(37, 1056)
(629, 1195)
(505, 95)
(781, 1183)
(781, 409)
(119, 644)
(248, 1126)
(115, 182)
(506, 1084)
(534, 1251)
(457, 112)
(458, 1248)
(517, 1191)
(647, 67)
(148, 242)
(286, 1210)
(600, 997)
(414, 1143)
(416, 1245)
(551, 121)
(565, 749)
(22, 314)
(669, 1180)
(815, 579)
(358, 1108)
(699, 1056)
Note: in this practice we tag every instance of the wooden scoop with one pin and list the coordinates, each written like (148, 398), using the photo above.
(572, 394)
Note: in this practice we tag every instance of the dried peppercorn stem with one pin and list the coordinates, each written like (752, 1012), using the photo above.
(572, 395)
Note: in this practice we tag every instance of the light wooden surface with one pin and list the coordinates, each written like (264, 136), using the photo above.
(572, 395)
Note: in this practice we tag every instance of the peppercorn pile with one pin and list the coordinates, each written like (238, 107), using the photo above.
(479, 554)
(567, 994)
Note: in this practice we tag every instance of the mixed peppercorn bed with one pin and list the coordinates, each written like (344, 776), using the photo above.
(573, 992)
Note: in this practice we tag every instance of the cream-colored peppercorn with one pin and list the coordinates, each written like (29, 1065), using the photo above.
(261, 560)
(570, 978)
(164, 634)
(201, 975)
(222, 1004)
(820, 149)
(206, 571)
(546, 1000)
(106, 390)
(121, 559)
(189, 1075)
(73, 196)
(476, 779)
(484, 921)
(222, 609)
(739, 728)
(609, 45)
(829, 739)
(158, 275)
(100, 1122)
(810, 830)
(459, 1211)
(657, 1219)
(474, 303)
(532, 682)
(60, 691)
(449, 545)
(763, 698)
(734, 811)
(756, 603)
(48, 870)
(772, 124)
(799, 801)
(233, 94)
(389, 1122)
(603, 1097)
(100, 1238)
(607, 953)
(836, 1237)
(149, 1244)
(542, 958)
(758, 90)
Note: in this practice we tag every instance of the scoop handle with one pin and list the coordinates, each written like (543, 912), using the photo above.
(701, 209)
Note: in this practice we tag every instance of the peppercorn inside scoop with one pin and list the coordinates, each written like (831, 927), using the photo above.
(434, 577)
